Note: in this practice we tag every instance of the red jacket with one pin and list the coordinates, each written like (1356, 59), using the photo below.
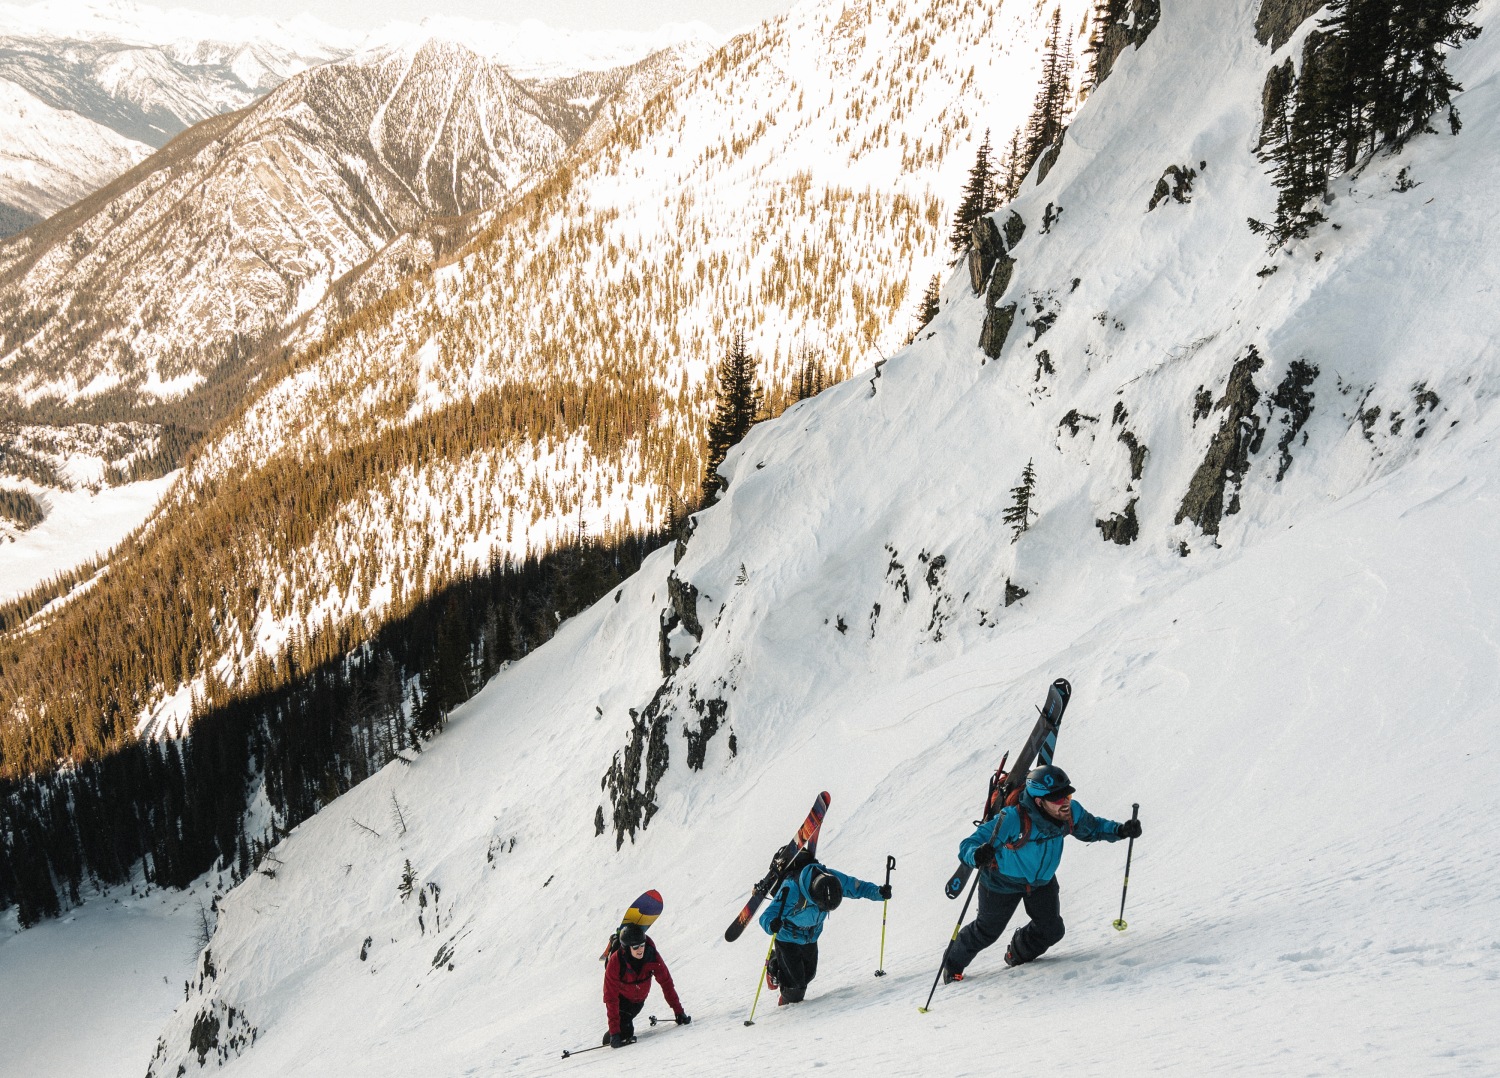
(625, 978)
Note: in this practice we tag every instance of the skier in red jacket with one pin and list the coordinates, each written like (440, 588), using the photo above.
(627, 983)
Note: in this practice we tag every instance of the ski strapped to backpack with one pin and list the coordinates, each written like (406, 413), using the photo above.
(795, 854)
(1005, 786)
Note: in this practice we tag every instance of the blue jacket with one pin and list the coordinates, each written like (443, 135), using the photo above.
(801, 919)
(1034, 862)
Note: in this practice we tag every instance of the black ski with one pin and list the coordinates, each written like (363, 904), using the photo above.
(806, 840)
(1040, 745)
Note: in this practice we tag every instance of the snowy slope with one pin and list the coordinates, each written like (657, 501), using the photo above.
(1302, 706)
(122, 962)
(80, 525)
(50, 158)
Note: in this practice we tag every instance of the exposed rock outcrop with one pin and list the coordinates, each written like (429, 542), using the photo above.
(1132, 26)
(1228, 457)
(1278, 20)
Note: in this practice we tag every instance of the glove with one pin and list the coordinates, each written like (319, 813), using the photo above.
(617, 1040)
(683, 1019)
(885, 891)
(984, 857)
(1130, 829)
(775, 925)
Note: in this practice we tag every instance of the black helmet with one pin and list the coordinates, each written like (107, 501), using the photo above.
(632, 935)
(826, 891)
(1047, 782)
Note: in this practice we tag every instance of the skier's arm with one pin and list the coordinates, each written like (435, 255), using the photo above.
(1091, 828)
(856, 888)
(612, 991)
(773, 911)
(668, 989)
(991, 833)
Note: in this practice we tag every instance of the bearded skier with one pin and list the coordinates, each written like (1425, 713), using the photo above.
(1017, 853)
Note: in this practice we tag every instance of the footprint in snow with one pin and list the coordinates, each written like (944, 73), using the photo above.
(1304, 956)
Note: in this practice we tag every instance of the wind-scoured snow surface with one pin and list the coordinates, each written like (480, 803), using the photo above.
(1304, 707)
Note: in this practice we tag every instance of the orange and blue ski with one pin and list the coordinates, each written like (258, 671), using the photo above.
(786, 857)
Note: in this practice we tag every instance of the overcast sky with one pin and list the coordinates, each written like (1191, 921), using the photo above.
(723, 15)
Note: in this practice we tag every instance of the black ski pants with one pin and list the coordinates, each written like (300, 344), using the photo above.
(995, 910)
(796, 964)
(629, 1008)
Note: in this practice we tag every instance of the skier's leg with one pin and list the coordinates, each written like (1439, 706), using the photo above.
(1045, 928)
(798, 963)
(995, 911)
(629, 1008)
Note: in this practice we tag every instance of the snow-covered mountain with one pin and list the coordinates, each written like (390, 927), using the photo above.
(84, 86)
(1262, 552)
(242, 223)
(52, 157)
(88, 91)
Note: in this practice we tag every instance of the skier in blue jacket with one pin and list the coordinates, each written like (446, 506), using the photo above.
(1017, 852)
(796, 918)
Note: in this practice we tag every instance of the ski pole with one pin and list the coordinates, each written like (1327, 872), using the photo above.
(751, 1020)
(1119, 921)
(567, 1053)
(890, 863)
(956, 927)
(580, 1051)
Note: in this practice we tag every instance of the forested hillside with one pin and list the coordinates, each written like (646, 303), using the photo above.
(550, 384)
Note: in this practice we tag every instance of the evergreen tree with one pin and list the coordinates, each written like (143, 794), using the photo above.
(1049, 112)
(1357, 35)
(736, 404)
(1300, 142)
(929, 305)
(1373, 75)
(1419, 84)
(1108, 21)
(978, 197)
(811, 377)
(1012, 167)
(1019, 515)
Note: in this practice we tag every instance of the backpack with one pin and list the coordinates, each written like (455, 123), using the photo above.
(993, 808)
